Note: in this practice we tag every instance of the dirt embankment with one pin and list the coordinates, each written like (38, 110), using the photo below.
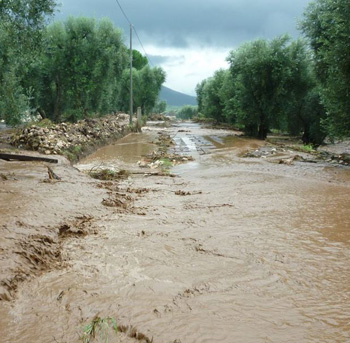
(71, 140)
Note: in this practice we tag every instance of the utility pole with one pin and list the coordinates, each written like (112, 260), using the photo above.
(131, 90)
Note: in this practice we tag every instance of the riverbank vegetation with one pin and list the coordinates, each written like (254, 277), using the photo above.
(298, 87)
(68, 70)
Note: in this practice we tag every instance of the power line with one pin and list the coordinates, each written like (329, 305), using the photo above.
(138, 38)
(121, 8)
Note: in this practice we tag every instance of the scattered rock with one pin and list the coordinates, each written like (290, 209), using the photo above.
(290, 160)
(56, 139)
(158, 117)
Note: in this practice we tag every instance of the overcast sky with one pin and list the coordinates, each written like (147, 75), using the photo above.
(190, 39)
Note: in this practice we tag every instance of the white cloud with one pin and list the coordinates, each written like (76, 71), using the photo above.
(187, 67)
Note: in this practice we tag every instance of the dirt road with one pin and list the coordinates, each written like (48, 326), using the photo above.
(233, 249)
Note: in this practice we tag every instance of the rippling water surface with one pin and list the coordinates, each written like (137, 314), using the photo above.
(256, 252)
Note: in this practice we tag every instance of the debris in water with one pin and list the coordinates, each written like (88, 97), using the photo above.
(52, 175)
(108, 174)
(183, 193)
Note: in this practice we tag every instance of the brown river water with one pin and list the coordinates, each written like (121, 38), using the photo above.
(254, 252)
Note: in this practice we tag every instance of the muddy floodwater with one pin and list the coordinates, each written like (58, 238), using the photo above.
(231, 250)
(125, 152)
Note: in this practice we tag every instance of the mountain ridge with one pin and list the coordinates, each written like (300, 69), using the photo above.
(175, 98)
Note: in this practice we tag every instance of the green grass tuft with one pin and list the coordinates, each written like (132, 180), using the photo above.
(307, 148)
(100, 328)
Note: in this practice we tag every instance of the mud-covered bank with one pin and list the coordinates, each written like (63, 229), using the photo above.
(72, 140)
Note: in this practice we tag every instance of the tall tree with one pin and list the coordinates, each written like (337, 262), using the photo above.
(147, 83)
(21, 26)
(138, 60)
(260, 73)
(211, 103)
(187, 112)
(327, 26)
(227, 94)
(303, 106)
(160, 106)
(199, 93)
(81, 68)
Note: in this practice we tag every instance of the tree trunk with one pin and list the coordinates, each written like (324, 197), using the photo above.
(57, 109)
(306, 136)
(42, 113)
(263, 126)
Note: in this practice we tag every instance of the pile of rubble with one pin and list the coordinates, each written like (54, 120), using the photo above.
(286, 155)
(56, 139)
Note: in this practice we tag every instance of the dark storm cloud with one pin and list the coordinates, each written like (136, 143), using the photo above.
(181, 23)
(157, 60)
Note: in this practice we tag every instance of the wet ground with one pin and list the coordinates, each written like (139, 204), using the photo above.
(233, 249)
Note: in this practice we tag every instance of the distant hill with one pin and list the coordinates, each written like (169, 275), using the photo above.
(174, 98)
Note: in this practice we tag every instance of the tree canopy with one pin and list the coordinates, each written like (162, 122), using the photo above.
(81, 68)
(67, 70)
(147, 83)
(283, 84)
(187, 112)
(21, 26)
(269, 85)
(327, 26)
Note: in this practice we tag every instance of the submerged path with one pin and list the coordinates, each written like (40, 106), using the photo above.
(232, 250)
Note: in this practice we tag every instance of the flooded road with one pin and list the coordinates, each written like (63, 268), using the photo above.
(231, 250)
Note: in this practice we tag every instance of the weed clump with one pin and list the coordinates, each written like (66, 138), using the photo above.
(108, 174)
(99, 327)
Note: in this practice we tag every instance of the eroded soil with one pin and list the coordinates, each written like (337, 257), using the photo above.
(233, 249)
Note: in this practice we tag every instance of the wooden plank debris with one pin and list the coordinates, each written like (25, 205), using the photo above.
(11, 157)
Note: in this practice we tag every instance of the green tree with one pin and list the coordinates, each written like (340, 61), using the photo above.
(81, 68)
(151, 83)
(147, 83)
(260, 74)
(270, 85)
(200, 94)
(227, 94)
(327, 26)
(21, 26)
(160, 106)
(211, 104)
(303, 106)
(138, 60)
(187, 112)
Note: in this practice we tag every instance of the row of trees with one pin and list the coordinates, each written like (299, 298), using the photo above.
(67, 70)
(283, 84)
(187, 112)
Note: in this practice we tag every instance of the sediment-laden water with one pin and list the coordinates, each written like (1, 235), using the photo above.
(234, 249)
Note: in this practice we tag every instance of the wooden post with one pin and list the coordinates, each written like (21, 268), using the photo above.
(131, 85)
(139, 114)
